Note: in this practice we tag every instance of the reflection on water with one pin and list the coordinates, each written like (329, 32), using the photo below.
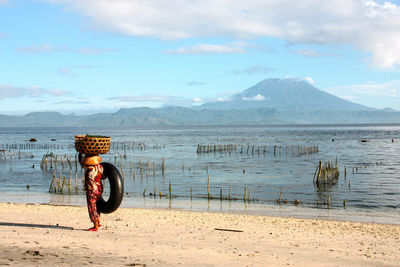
(371, 184)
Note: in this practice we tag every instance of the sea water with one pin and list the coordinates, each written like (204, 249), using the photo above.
(264, 166)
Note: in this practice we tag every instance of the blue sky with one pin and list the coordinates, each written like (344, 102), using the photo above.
(87, 56)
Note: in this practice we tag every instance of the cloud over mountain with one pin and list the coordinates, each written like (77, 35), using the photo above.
(8, 91)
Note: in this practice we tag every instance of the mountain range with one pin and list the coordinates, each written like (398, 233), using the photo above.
(271, 101)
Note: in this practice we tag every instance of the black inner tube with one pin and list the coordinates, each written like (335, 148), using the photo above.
(116, 189)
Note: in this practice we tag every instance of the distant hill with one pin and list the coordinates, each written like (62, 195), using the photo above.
(272, 101)
(285, 95)
(180, 116)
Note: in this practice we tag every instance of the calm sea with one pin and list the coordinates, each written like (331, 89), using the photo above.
(259, 163)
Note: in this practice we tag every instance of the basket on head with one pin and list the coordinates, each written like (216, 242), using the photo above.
(92, 145)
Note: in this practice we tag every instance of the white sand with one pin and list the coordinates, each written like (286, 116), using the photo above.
(136, 237)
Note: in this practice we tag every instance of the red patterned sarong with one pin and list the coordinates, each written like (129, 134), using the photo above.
(94, 189)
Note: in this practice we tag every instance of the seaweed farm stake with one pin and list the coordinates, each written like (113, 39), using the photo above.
(327, 174)
(208, 187)
(280, 195)
(163, 166)
(76, 182)
(141, 167)
(63, 183)
(52, 181)
(69, 182)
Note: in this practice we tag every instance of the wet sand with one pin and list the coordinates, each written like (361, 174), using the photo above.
(45, 235)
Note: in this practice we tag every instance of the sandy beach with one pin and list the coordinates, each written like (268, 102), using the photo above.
(45, 235)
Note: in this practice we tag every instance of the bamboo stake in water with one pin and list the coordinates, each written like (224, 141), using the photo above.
(69, 182)
(76, 182)
(163, 166)
(59, 180)
(52, 181)
(208, 187)
(141, 167)
(62, 187)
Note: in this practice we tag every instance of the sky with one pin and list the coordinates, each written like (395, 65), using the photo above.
(88, 56)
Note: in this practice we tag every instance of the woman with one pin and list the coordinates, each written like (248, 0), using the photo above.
(93, 186)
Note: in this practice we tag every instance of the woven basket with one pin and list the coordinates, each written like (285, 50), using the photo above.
(92, 145)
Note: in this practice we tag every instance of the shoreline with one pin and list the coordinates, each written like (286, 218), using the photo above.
(349, 214)
(37, 234)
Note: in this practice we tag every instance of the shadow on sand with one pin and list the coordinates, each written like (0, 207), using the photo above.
(36, 225)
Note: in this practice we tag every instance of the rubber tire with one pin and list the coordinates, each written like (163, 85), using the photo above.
(116, 189)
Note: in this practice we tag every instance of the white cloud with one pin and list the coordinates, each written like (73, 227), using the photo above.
(142, 98)
(238, 47)
(254, 98)
(84, 66)
(92, 51)
(33, 49)
(8, 91)
(308, 53)
(66, 72)
(195, 83)
(258, 69)
(389, 89)
(379, 95)
(155, 100)
(310, 80)
(46, 48)
(208, 49)
(222, 99)
(369, 26)
(313, 53)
